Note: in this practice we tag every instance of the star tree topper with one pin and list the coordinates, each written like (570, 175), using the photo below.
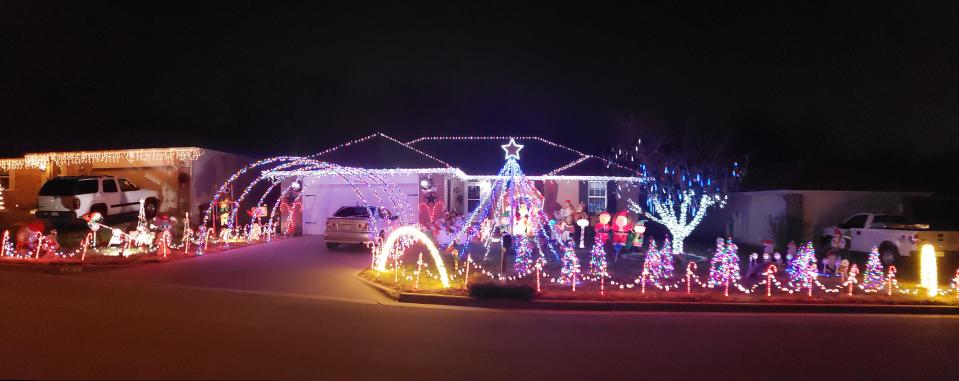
(512, 149)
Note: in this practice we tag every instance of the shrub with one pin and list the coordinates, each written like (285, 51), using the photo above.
(493, 290)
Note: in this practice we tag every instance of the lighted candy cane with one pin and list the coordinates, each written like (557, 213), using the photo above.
(811, 271)
(539, 268)
(466, 280)
(419, 267)
(165, 239)
(39, 244)
(770, 274)
(645, 274)
(187, 238)
(853, 271)
(85, 244)
(955, 282)
(890, 279)
(690, 268)
(3, 249)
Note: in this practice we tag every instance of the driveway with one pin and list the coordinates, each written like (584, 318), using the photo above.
(298, 266)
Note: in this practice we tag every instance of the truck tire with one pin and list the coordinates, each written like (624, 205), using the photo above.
(150, 208)
(888, 253)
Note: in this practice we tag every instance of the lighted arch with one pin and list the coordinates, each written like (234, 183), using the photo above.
(416, 233)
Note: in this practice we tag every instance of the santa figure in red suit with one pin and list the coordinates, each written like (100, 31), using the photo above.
(602, 228)
(621, 229)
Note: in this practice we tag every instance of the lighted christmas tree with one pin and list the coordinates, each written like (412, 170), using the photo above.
(511, 205)
(524, 257)
(666, 266)
(651, 262)
(798, 270)
(597, 261)
(724, 266)
(570, 270)
(873, 279)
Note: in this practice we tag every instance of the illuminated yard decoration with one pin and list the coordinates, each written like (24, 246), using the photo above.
(383, 255)
(798, 270)
(928, 273)
(512, 206)
(294, 169)
(680, 218)
(873, 280)
(684, 176)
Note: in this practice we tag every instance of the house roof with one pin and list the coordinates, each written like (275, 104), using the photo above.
(379, 151)
(538, 157)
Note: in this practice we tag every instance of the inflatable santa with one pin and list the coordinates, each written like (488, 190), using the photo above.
(621, 231)
(602, 228)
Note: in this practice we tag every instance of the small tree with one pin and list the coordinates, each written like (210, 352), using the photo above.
(873, 280)
(724, 266)
(799, 275)
(685, 174)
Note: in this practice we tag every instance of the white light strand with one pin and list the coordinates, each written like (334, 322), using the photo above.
(40, 160)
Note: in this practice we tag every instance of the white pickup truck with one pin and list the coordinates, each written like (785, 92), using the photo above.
(67, 198)
(890, 233)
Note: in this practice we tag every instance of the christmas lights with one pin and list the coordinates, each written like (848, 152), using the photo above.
(414, 233)
(683, 220)
(168, 155)
(12, 164)
(928, 273)
(873, 279)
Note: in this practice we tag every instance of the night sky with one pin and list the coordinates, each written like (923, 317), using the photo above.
(822, 95)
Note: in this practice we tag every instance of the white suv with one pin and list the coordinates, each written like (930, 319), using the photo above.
(69, 197)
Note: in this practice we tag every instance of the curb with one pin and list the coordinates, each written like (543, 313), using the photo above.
(625, 306)
(388, 292)
(592, 305)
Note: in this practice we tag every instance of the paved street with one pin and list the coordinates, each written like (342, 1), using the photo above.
(291, 310)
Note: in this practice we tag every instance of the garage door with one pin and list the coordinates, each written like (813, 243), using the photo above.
(321, 200)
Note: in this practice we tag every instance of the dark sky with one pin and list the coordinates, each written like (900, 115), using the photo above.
(830, 94)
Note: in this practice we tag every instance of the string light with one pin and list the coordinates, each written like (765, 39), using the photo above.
(174, 155)
(12, 164)
(416, 234)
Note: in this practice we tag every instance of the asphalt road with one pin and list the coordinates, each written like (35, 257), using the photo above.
(291, 310)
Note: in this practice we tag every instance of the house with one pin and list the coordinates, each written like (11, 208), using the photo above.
(750, 217)
(451, 174)
(184, 177)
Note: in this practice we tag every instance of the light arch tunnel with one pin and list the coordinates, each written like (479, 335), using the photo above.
(366, 188)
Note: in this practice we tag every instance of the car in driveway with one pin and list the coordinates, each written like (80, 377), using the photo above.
(66, 198)
(357, 225)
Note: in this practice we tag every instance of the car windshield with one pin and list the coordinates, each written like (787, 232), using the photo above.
(68, 187)
(352, 211)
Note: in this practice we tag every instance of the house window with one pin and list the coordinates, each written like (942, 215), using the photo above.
(596, 201)
(472, 197)
(5, 179)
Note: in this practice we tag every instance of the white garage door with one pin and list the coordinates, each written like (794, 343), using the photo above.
(321, 199)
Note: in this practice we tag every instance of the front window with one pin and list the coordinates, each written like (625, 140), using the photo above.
(472, 197)
(596, 192)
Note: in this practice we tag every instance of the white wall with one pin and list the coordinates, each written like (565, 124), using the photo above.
(323, 195)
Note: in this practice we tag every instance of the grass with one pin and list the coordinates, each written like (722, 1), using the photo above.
(625, 272)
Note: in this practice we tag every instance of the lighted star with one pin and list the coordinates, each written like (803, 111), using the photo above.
(512, 149)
